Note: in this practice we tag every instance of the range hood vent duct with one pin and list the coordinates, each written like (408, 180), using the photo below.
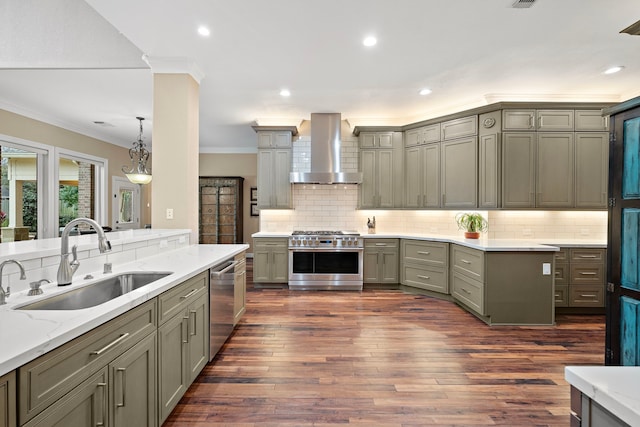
(325, 154)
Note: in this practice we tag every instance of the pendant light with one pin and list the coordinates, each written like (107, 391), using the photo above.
(138, 173)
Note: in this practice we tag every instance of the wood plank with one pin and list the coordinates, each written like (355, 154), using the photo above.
(385, 358)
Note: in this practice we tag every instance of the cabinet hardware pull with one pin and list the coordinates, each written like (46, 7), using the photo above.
(184, 341)
(587, 256)
(123, 386)
(588, 295)
(381, 244)
(557, 273)
(193, 291)
(418, 201)
(466, 291)
(194, 332)
(101, 411)
(465, 261)
(424, 277)
(108, 346)
(588, 273)
(424, 253)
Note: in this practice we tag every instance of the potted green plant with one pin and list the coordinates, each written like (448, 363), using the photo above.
(472, 223)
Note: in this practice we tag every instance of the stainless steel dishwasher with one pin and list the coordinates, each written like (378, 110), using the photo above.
(221, 294)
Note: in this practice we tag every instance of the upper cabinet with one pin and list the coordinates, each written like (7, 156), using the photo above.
(423, 135)
(542, 120)
(376, 140)
(381, 167)
(591, 120)
(274, 168)
(459, 173)
(459, 128)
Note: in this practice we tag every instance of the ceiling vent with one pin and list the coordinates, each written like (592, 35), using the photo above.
(633, 29)
(523, 4)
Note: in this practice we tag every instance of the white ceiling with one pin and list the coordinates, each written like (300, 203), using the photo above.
(71, 62)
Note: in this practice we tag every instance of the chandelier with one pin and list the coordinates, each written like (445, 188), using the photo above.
(138, 173)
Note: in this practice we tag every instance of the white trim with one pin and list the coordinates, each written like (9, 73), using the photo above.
(116, 183)
(174, 65)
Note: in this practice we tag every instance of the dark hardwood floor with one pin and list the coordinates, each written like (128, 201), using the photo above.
(385, 358)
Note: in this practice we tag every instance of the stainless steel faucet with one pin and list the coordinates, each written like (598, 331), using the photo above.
(68, 268)
(4, 295)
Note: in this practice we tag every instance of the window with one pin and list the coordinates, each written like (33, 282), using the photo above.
(37, 179)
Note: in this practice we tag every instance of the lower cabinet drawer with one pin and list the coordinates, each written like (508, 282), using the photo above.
(586, 295)
(427, 253)
(468, 261)
(468, 291)
(561, 273)
(173, 300)
(428, 278)
(51, 376)
(587, 274)
(561, 295)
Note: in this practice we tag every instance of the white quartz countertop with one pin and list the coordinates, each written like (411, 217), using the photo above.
(612, 387)
(27, 334)
(484, 244)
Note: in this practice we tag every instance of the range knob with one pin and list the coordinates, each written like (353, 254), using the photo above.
(350, 243)
(335, 242)
(317, 242)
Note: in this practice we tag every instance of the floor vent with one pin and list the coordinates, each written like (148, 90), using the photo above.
(523, 4)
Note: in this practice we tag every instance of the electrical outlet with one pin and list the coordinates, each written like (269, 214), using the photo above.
(546, 268)
(169, 213)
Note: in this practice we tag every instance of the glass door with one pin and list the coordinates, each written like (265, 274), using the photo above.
(623, 296)
(126, 204)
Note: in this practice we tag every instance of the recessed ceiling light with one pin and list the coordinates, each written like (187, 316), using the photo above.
(369, 41)
(285, 93)
(204, 31)
(425, 91)
(613, 70)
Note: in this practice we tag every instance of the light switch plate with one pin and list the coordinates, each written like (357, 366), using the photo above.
(546, 269)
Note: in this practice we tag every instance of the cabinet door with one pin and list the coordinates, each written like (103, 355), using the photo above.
(518, 170)
(85, 405)
(385, 178)
(489, 165)
(385, 140)
(592, 169)
(555, 120)
(431, 185)
(591, 120)
(370, 266)
(368, 186)
(459, 173)
(554, 183)
(367, 140)
(132, 386)
(459, 128)
(414, 173)
(198, 336)
(431, 133)
(389, 267)
(239, 291)
(518, 119)
(265, 178)
(8, 400)
(281, 179)
(413, 137)
(280, 265)
(172, 361)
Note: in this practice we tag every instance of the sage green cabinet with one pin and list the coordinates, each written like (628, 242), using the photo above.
(542, 120)
(381, 168)
(518, 169)
(459, 128)
(52, 376)
(591, 120)
(489, 171)
(270, 260)
(592, 169)
(380, 261)
(376, 140)
(8, 400)
(85, 405)
(425, 265)
(275, 139)
(239, 288)
(555, 170)
(422, 176)
(274, 186)
(183, 344)
(459, 173)
(422, 135)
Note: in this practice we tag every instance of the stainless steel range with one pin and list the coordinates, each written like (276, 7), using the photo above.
(325, 260)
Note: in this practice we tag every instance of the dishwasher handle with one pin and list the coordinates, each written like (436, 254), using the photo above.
(229, 266)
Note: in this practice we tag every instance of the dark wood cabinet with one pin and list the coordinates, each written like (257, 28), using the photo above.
(220, 211)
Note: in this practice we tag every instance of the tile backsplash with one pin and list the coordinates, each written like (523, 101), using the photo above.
(334, 207)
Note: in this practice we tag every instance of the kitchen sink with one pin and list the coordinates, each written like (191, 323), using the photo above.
(96, 293)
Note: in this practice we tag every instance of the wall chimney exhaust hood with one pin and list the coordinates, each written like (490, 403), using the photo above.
(325, 154)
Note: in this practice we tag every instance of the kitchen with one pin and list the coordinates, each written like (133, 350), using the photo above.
(504, 224)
